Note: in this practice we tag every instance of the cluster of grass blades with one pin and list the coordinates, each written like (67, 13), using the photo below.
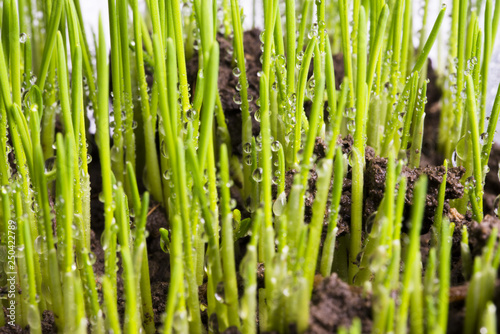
(175, 138)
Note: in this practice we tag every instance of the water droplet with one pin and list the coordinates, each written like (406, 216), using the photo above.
(462, 147)
(279, 204)
(312, 33)
(483, 139)
(115, 153)
(163, 149)
(35, 207)
(310, 88)
(236, 72)
(257, 174)
(496, 204)
(248, 160)
(22, 38)
(50, 164)
(232, 203)
(349, 112)
(20, 251)
(247, 148)
(34, 318)
(454, 162)
(220, 294)
(351, 126)
(39, 245)
(237, 99)
(261, 36)
(257, 115)
(401, 117)
(91, 259)
(275, 146)
(191, 114)
(275, 86)
(486, 170)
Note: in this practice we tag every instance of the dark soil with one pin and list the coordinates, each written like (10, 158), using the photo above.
(227, 83)
(336, 304)
(159, 262)
(375, 187)
(47, 323)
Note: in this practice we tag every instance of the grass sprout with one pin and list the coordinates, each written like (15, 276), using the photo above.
(108, 149)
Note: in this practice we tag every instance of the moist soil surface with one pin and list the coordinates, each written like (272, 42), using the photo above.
(334, 302)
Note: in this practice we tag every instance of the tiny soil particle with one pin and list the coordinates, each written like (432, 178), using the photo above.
(479, 233)
(335, 303)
